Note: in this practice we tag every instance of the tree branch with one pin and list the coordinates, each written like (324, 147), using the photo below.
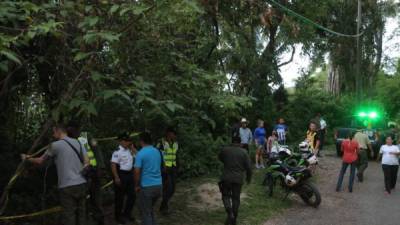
(291, 58)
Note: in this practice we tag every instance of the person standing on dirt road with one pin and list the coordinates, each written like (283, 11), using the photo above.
(148, 181)
(313, 137)
(169, 147)
(364, 144)
(122, 170)
(350, 153)
(236, 162)
(390, 164)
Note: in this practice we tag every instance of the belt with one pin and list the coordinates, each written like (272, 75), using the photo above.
(125, 171)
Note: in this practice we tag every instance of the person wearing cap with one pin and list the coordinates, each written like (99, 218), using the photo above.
(246, 135)
(122, 161)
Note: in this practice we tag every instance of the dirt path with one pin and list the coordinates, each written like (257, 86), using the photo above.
(367, 205)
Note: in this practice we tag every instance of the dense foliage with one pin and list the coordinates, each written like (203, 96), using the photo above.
(146, 65)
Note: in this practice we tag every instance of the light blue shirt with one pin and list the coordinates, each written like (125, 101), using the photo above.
(245, 135)
(148, 159)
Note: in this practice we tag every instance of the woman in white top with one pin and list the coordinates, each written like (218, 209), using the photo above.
(390, 164)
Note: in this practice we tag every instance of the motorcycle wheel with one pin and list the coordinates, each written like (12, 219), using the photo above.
(309, 194)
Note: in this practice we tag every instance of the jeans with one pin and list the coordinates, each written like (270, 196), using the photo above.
(231, 199)
(341, 175)
(72, 200)
(362, 163)
(126, 189)
(169, 185)
(390, 174)
(148, 197)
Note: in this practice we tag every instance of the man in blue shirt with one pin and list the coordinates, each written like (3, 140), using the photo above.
(281, 130)
(148, 165)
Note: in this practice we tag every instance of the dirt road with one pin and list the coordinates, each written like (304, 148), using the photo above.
(367, 205)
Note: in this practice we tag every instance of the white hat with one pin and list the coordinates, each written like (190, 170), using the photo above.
(243, 120)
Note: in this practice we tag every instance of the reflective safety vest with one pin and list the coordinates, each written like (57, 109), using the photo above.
(90, 153)
(311, 139)
(169, 153)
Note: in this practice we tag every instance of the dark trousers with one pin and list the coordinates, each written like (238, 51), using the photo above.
(246, 146)
(231, 200)
(169, 185)
(390, 174)
(72, 200)
(322, 139)
(148, 197)
(95, 203)
(341, 175)
(362, 163)
(126, 189)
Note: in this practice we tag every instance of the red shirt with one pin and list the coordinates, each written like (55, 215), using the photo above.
(350, 151)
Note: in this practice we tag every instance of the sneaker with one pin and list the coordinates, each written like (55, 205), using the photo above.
(257, 166)
(262, 167)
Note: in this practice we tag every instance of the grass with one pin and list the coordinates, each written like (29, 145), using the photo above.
(255, 209)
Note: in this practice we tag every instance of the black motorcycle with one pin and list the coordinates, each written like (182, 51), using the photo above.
(292, 179)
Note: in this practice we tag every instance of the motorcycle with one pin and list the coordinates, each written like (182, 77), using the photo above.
(292, 180)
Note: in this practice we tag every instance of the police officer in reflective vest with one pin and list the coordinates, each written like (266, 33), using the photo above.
(97, 166)
(169, 148)
(122, 170)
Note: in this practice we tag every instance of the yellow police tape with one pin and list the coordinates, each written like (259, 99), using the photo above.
(46, 211)
(20, 169)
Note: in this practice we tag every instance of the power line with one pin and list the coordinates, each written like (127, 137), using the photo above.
(310, 22)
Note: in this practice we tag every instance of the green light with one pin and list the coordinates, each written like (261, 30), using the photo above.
(362, 114)
(373, 115)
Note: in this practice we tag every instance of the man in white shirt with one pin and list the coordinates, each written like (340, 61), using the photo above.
(322, 131)
(246, 135)
(122, 170)
(390, 164)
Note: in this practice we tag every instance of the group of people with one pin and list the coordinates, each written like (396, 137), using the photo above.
(355, 155)
(260, 139)
(315, 136)
(145, 174)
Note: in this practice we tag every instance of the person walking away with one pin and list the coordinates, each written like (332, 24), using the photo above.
(71, 159)
(350, 150)
(169, 148)
(281, 130)
(97, 168)
(246, 135)
(260, 139)
(322, 130)
(390, 164)
(313, 137)
(148, 182)
(122, 170)
(272, 141)
(236, 162)
(364, 144)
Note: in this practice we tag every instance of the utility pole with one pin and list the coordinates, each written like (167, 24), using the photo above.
(359, 78)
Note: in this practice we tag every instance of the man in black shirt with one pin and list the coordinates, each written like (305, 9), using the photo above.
(236, 162)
